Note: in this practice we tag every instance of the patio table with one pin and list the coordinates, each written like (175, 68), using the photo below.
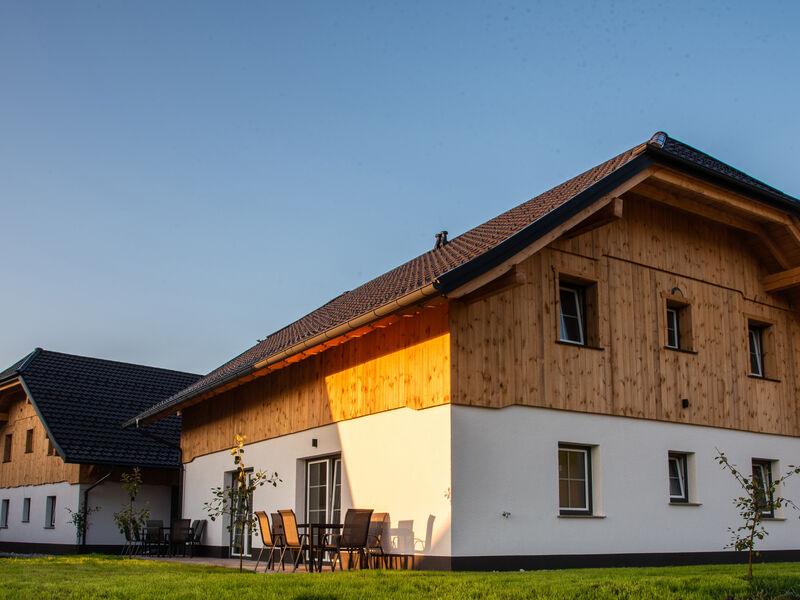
(315, 536)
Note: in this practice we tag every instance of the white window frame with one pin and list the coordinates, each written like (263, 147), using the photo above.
(681, 463)
(755, 343)
(578, 294)
(50, 513)
(587, 474)
(332, 469)
(26, 510)
(765, 467)
(672, 313)
(5, 508)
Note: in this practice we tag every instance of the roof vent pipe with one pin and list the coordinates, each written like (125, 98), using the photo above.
(441, 240)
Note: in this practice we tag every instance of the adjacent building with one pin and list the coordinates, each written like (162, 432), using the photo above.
(63, 448)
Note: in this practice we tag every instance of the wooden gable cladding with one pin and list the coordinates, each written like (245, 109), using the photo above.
(36, 467)
(403, 363)
(506, 347)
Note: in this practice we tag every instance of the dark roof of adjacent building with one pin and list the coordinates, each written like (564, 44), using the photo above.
(482, 248)
(83, 402)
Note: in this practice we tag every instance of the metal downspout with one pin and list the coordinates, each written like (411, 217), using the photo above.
(85, 507)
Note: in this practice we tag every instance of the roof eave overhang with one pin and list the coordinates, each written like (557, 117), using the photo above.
(708, 175)
(516, 243)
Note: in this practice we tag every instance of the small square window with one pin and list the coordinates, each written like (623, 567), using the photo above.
(4, 513)
(574, 480)
(29, 441)
(762, 483)
(26, 510)
(678, 478)
(7, 448)
(50, 513)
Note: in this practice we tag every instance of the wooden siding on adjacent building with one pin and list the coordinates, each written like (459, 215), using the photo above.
(406, 364)
(506, 349)
(36, 467)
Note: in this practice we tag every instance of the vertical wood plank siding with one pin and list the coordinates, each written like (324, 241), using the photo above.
(404, 365)
(37, 467)
(505, 350)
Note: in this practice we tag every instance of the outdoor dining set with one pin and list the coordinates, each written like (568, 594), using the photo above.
(360, 538)
(158, 540)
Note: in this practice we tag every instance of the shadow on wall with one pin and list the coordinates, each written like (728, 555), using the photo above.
(403, 540)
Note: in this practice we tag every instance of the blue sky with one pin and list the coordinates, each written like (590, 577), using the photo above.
(178, 179)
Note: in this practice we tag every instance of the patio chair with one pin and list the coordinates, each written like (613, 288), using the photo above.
(267, 540)
(196, 534)
(292, 540)
(179, 535)
(133, 542)
(153, 536)
(277, 532)
(353, 538)
(378, 524)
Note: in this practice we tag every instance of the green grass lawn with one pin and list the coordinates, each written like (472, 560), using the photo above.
(112, 577)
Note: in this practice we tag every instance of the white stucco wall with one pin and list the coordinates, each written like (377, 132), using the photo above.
(35, 532)
(108, 495)
(396, 462)
(507, 460)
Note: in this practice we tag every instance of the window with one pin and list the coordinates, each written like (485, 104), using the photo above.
(50, 513)
(756, 337)
(7, 448)
(762, 480)
(51, 450)
(324, 490)
(571, 314)
(574, 480)
(678, 478)
(26, 510)
(673, 329)
(679, 323)
(29, 441)
(4, 514)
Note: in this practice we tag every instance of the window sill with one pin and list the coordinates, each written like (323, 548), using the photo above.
(581, 516)
(49, 527)
(686, 504)
(577, 345)
(774, 519)
(751, 376)
(683, 350)
(24, 522)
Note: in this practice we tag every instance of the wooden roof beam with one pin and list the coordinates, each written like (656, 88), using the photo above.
(608, 214)
(745, 205)
(782, 281)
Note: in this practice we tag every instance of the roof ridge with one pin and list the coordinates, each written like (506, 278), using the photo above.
(114, 362)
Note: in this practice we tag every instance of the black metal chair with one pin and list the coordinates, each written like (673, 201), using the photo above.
(179, 535)
(353, 538)
(378, 524)
(292, 540)
(196, 534)
(153, 536)
(267, 540)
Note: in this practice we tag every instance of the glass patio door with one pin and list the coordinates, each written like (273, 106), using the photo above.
(324, 490)
(240, 544)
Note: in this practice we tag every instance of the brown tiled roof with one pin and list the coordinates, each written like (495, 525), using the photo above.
(431, 266)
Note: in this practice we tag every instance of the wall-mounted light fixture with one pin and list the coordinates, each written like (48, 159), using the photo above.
(677, 289)
(685, 402)
(313, 442)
